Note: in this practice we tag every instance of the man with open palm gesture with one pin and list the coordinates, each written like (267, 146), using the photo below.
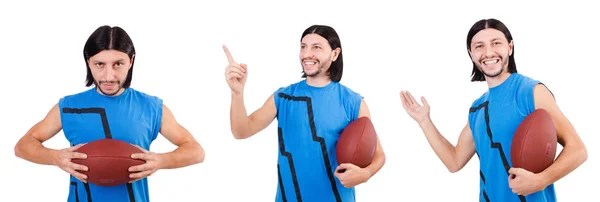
(416, 111)
(493, 119)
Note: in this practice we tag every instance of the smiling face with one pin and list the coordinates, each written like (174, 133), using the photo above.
(109, 69)
(316, 55)
(490, 51)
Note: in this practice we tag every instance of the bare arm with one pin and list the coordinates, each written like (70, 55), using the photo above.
(454, 158)
(30, 147)
(244, 126)
(188, 150)
(379, 158)
(574, 152)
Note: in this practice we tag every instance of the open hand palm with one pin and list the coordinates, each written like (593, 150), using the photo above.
(415, 110)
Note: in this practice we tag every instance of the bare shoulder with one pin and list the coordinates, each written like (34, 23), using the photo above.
(467, 130)
(364, 109)
(543, 98)
(52, 119)
(168, 119)
(270, 101)
(268, 111)
(166, 111)
(49, 126)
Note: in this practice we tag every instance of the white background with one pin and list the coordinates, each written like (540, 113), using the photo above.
(419, 47)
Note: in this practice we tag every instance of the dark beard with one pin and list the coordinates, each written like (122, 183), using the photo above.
(109, 94)
(494, 74)
(491, 75)
(313, 74)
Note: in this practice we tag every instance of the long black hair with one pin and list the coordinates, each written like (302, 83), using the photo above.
(476, 74)
(108, 38)
(336, 69)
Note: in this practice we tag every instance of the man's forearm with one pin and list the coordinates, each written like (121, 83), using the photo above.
(568, 160)
(440, 145)
(186, 154)
(377, 162)
(30, 149)
(239, 117)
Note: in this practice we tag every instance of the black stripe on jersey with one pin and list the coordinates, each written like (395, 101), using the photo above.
(482, 176)
(318, 139)
(288, 155)
(76, 191)
(99, 111)
(495, 145)
(281, 184)
(130, 191)
(87, 192)
(487, 199)
(107, 135)
(486, 196)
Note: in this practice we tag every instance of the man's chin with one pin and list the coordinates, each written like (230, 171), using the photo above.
(109, 91)
(491, 73)
(312, 74)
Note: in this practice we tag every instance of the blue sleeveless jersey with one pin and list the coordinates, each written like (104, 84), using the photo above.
(310, 121)
(493, 119)
(133, 117)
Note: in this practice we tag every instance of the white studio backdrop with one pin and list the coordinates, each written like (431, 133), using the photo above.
(387, 47)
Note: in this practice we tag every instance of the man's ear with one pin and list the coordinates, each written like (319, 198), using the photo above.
(510, 48)
(336, 53)
(470, 53)
(132, 58)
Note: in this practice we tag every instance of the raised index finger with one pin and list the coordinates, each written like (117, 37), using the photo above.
(228, 54)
